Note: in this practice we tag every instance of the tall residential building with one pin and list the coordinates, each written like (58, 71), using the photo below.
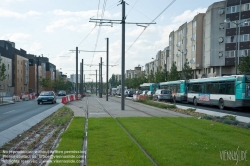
(213, 41)
(237, 33)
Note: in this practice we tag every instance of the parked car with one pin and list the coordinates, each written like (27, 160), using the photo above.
(163, 94)
(46, 97)
(144, 92)
(61, 93)
(131, 93)
(150, 93)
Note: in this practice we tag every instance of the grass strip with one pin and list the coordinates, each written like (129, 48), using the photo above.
(108, 144)
(190, 141)
(157, 104)
(70, 146)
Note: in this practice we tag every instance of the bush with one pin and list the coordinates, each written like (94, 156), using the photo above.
(227, 121)
(191, 110)
(208, 117)
(230, 117)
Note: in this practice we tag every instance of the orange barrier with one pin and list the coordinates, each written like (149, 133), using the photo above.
(64, 99)
(71, 97)
(135, 97)
(142, 97)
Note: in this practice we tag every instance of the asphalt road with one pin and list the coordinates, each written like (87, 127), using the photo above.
(14, 114)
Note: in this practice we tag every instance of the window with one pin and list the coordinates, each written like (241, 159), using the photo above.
(245, 7)
(244, 37)
(232, 9)
(193, 48)
(230, 54)
(231, 39)
(194, 24)
(170, 38)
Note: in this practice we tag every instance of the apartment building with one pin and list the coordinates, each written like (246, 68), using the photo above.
(133, 73)
(22, 69)
(213, 41)
(21, 74)
(5, 85)
(237, 33)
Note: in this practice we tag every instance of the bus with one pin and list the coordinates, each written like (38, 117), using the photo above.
(149, 87)
(178, 88)
(226, 91)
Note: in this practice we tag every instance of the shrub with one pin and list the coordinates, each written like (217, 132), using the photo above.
(191, 109)
(230, 117)
(208, 117)
(227, 121)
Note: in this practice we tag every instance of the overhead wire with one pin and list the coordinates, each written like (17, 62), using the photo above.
(148, 26)
(98, 35)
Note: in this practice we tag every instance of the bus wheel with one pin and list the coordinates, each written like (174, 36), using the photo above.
(195, 101)
(221, 104)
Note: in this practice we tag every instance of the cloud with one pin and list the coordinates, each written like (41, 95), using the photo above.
(15, 37)
(62, 23)
(188, 15)
(10, 14)
(83, 14)
(35, 47)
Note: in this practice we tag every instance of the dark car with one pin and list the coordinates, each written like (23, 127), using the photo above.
(46, 97)
(131, 93)
(61, 93)
(163, 94)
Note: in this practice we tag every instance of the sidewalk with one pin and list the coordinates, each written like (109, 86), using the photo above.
(6, 100)
(132, 109)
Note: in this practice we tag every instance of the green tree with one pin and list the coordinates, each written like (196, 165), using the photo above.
(244, 64)
(187, 71)
(45, 82)
(2, 70)
(173, 74)
(160, 75)
(151, 77)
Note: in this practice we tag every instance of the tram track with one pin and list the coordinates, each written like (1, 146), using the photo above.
(129, 134)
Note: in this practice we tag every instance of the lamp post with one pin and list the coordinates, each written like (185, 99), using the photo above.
(237, 40)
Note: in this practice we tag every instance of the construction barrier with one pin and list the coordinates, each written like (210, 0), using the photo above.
(64, 99)
(135, 97)
(142, 97)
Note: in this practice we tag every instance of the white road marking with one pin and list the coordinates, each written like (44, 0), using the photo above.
(9, 112)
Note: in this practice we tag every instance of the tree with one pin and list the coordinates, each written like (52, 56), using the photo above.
(187, 71)
(173, 74)
(2, 70)
(244, 64)
(160, 75)
(151, 77)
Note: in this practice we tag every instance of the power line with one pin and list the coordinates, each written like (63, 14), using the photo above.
(87, 35)
(147, 27)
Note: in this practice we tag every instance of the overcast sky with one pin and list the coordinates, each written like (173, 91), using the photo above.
(53, 27)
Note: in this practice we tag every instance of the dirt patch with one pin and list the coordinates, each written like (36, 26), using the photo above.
(35, 146)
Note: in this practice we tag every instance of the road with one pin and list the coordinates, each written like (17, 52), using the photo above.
(14, 114)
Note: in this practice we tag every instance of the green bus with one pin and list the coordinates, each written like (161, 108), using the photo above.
(226, 91)
(149, 87)
(178, 88)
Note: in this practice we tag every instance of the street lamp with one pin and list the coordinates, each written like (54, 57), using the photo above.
(237, 40)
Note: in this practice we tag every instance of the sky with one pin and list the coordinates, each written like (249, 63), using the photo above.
(54, 27)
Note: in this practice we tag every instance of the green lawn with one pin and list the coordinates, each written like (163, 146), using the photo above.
(188, 141)
(109, 145)
(71, 144)
(168, 140)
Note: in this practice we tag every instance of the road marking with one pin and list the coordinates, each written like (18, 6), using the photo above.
(9, 112)
(97, 113)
